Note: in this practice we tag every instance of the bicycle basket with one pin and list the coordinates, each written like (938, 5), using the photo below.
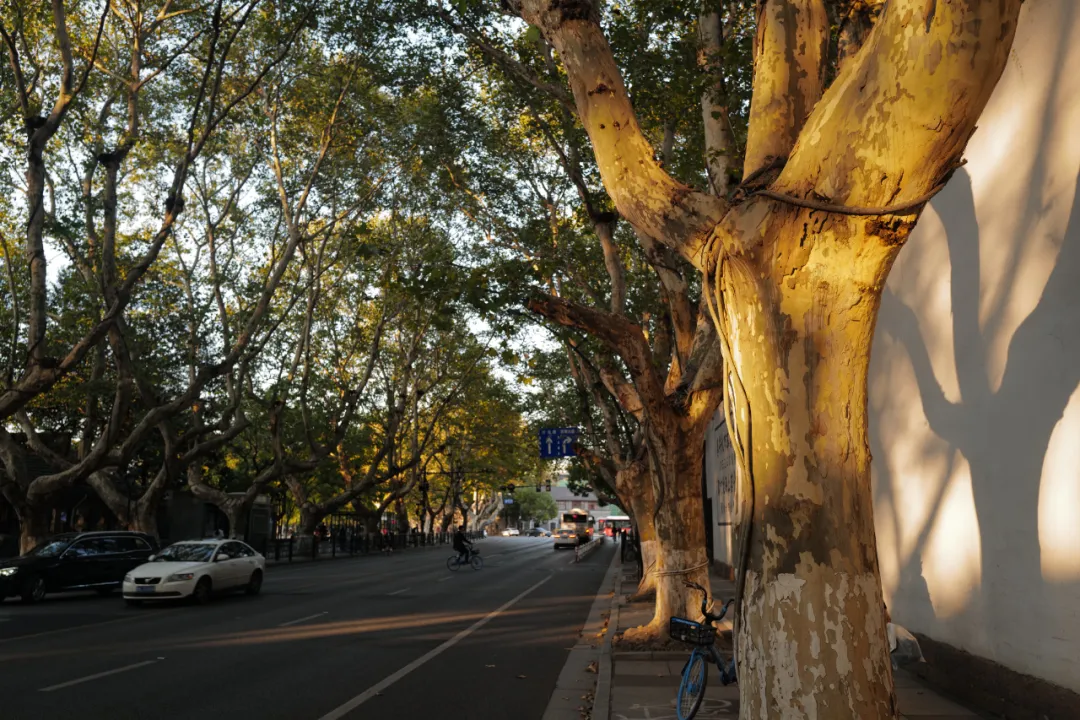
(691, 632)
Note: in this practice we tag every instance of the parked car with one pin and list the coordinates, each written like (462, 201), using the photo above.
(197, 569)
(75, 561)
(510, 532)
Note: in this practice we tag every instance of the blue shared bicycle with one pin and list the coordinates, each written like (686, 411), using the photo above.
(695, 674)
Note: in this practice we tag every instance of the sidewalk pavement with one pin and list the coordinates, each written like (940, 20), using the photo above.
(644, 684)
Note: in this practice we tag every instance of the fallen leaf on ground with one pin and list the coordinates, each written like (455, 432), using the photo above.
(521, 677)
(489, 666)
(592, 667)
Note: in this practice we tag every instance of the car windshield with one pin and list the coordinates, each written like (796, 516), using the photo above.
(51, 548)
(186, 552)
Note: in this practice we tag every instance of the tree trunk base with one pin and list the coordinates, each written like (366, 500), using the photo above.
(651, 634)
(33, 529)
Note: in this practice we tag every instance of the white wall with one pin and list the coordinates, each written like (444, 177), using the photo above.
(720, 487)
(974, 400)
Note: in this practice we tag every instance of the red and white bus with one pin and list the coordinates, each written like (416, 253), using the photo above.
(613, 524)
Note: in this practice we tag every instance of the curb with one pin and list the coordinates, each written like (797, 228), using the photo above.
(605, 671)
(576, 681)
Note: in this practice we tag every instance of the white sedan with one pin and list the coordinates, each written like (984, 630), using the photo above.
(196, 569)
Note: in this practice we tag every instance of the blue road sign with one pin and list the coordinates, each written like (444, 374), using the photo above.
(508, 501)
(557, 442)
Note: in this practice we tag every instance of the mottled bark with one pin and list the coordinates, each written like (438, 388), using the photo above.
(637, 492)
(795, 291)
(675, 453)
(812, 629)
(674, 435)
(789, 76)
(647, 196)
(714, 109)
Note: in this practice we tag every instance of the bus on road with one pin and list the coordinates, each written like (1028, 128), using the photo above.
(612, 525)
(576, 527)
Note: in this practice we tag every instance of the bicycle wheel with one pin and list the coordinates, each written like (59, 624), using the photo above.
(476, 562)
(692, 687)
(452, 563)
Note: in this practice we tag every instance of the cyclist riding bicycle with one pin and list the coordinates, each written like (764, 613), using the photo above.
(462, 545)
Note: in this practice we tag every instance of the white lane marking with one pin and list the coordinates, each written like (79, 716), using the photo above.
(398, 592)
(99, 675)
(303, 619)
(377, 688)
(444, 579)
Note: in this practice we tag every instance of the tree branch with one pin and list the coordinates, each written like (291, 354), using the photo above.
(904, 108)
(790, 51)
(623, 337)
(650, 199)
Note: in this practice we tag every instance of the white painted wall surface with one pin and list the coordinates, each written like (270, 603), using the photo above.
(720, 487)
(974, 400)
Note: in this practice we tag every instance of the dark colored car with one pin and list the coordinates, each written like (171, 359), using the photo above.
(538, 532)
(75, 561)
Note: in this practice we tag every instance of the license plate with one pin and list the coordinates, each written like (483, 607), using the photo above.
(145, 589)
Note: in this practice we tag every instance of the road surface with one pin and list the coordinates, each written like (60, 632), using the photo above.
(374, 637)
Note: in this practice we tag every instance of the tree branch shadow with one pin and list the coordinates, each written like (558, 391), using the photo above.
(1003, 433)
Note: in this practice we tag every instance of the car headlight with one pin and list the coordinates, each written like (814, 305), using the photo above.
(4, 572)
(128, 578)
(179, 577)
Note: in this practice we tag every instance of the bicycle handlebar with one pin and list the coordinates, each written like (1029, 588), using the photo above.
(709, 617)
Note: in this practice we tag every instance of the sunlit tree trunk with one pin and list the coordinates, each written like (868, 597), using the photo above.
(794, 264)
(812, 626)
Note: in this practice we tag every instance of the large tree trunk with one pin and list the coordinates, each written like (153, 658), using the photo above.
(144, 519)
(310, 517)
(637, 493)
(811, 636)
(33, 527)
(676, 454)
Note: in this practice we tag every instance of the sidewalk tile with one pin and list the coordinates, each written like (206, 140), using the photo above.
(646, 667)
(923, 702)
(904, 679)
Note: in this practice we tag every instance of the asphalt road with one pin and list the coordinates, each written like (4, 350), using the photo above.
(373, 637)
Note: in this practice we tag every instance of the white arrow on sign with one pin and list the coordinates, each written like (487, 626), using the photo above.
(549, 444)
(566, 444)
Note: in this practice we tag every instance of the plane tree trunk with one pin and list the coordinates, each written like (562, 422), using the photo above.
(636, 490)
(679, 526)
(676, 414)
(794, 264)
(33, 527)
(811, 627)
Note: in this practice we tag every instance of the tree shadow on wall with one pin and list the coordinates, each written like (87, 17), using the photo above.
(1003, 434)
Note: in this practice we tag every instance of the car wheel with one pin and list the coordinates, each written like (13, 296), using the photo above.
(33, 589)
(203, 590)
(255, 583)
